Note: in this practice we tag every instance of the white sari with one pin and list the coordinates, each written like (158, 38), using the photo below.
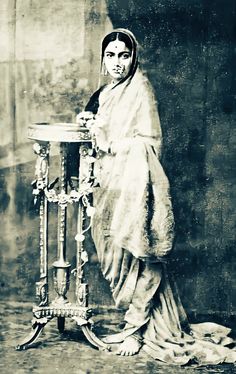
(133, 230)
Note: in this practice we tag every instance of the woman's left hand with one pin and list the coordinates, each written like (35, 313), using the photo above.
(98, 133)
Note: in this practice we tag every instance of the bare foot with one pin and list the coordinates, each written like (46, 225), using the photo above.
(114, 338)
(129, 347)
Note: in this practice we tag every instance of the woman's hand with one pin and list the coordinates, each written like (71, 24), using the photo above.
(85, 119)
(98, 134)
(121, 145)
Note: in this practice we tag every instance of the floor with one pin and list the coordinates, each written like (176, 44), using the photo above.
(70, 353)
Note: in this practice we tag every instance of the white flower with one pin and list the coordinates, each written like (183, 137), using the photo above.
(90, 211)
(51, 195)
(40, 184)
(84, 256)
(79, 237)
(63, 198)
(36, 148)
(74, 195)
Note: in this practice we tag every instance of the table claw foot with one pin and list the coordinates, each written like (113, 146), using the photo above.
(94, 340)
(89, 334)
(37, 327)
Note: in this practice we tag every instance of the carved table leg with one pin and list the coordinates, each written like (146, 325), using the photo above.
(41, 173)
(61, 266)
(82, 287)
(61, 324)
(89, 334)
(93, 339)
(37, 328)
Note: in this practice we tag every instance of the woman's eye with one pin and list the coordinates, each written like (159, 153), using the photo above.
(108, 55)
(125, 56)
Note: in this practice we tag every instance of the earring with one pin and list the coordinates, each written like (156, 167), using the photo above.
(104, 69)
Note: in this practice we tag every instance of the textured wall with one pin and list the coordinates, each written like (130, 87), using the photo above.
(187, 51)
(48, 68)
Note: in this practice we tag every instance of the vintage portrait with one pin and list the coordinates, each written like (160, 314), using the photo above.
(117, 195)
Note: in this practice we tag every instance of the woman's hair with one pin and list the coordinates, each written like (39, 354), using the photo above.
(128, 38)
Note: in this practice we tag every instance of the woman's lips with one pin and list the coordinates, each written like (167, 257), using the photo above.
(118, 71)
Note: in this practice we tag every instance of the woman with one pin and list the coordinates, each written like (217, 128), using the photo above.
(133, 224)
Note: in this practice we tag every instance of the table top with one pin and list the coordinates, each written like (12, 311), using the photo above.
(59, 132)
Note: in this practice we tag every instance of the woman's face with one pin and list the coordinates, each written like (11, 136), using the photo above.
(117, 59)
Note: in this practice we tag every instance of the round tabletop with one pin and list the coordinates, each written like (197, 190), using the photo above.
(59, 132)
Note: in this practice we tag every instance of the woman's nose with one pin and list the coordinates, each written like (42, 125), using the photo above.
(117, 61)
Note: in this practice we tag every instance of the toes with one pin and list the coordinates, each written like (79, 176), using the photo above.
(122, 352)
(126, 350)
(125, 353)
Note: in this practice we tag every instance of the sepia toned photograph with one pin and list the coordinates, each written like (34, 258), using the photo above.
(117, 186)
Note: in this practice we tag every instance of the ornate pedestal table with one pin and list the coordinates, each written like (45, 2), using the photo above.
(71, 191)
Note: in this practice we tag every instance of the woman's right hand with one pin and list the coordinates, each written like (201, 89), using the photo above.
(85, 119)
(100, 139)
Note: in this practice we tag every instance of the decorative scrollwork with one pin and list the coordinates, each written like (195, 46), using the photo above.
(41, 149)
(42, 292)
(44, 192)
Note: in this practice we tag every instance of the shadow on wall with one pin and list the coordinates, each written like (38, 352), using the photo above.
(186, 49)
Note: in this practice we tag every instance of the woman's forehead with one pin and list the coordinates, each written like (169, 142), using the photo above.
(117, 46)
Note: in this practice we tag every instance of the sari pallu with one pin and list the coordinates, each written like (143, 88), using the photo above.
(136, 207)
